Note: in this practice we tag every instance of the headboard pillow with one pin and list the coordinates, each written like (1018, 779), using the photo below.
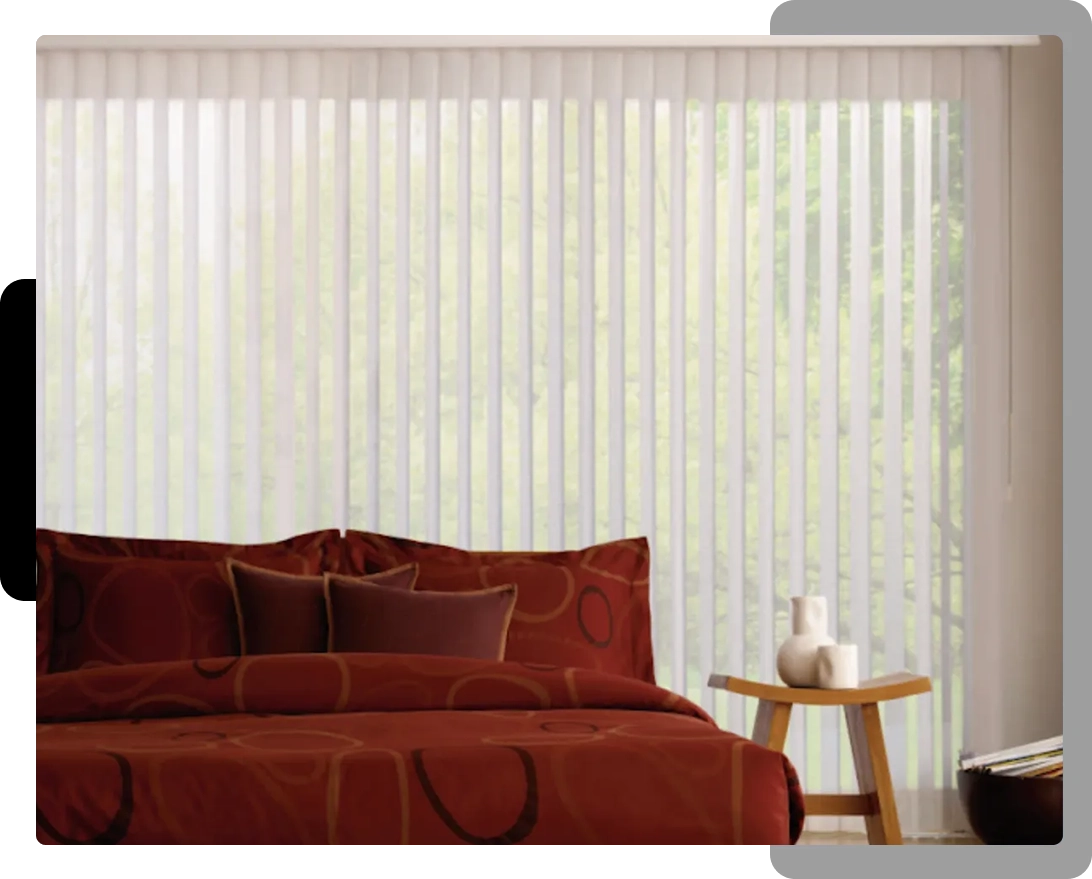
(586, 608)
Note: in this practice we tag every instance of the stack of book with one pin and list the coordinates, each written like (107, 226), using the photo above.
(1042, 759)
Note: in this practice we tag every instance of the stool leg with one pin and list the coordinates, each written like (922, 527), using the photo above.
(772, 724)
(873, 774)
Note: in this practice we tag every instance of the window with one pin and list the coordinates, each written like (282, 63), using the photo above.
(540, 299)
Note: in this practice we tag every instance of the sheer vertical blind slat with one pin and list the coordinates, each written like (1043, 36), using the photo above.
(677, 370)
(342, 367)
(535, 299)
(797, 380)
(893, 422)
(859, 630)
(924, 477)
(527, 316)
(432, 304)
(401, 390)
(648, 341)
(372, 196)
(947, 753)
(587, 318)
(707, 544)
(830, 532)
(465, 329)
(161, 365)
(253, 369)
(221, 357)
(43, 279)
(129, 320)
(98, 258)
(555, 299)
(495, 327)
(284, 317)
(617, 275)
(311, 272)
(736, 481)
(765, 387)
(67, 418)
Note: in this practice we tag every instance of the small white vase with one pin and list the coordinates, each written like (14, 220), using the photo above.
(837, 667)
(797, 659)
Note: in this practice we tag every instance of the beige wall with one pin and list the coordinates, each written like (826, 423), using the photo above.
(1017, 616)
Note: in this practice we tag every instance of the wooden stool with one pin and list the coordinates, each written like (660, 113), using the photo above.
(876, 800)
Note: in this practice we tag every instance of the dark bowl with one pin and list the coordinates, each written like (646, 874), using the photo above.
(1009, 810)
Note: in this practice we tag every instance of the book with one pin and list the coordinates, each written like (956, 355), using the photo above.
(1023, 769)
(1021, 761)
(1032, 750)
(1019, 751)
(1051, 770)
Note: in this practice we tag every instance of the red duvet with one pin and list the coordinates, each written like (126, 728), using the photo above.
(365, 748)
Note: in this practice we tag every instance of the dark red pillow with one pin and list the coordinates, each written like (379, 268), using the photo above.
(318, 550)
(286, 613)
(117, 611)
(369, 618)
(584, 608)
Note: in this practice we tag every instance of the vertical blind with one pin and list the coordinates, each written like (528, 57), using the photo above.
(539, 299)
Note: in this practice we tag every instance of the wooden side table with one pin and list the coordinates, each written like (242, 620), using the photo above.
(876, 799)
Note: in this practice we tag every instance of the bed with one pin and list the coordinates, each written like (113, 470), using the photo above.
(378, 748)
(357, 748)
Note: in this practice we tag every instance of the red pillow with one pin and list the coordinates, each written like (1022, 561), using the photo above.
(123, 610)
(286, 613)
(318, 549)
(583, 608)
(368, 618)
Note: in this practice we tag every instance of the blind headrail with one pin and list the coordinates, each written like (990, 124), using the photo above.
(223, 43)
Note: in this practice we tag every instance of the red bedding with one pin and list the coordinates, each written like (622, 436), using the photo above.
(368, 748)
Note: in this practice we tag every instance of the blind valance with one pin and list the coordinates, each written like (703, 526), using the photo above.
(662, 74)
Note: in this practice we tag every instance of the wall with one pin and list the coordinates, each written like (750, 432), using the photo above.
(1016, 537)
(1032, 614)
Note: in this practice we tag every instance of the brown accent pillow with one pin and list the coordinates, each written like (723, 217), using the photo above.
(367, 618)
(286, 613)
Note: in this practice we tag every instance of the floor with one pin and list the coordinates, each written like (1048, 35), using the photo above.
(815, 838)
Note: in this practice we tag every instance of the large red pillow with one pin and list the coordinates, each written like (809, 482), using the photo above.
(310, 553)
(123, 610)
(584, 608)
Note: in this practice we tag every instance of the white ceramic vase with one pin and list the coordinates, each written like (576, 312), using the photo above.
(797, 659)
(837, 668)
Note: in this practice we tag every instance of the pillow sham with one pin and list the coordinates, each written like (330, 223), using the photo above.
(365, 617)
(318, 549)
(586, 608)
(122, 610)
(286, 613)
